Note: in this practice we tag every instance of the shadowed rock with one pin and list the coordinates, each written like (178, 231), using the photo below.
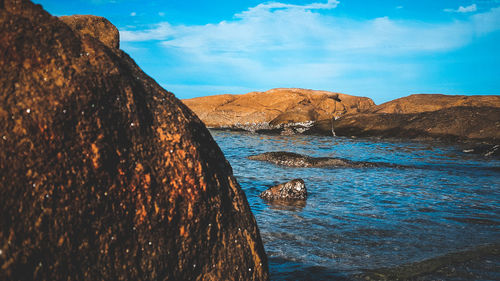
(97, 27)
(291, 159)
(104, 175)
(292, 190)
(453, 123)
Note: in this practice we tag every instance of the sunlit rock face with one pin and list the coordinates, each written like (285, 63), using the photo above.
(275, 109)
(432, 102)
(103, 174)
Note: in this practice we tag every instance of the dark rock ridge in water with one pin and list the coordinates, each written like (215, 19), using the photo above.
(291, 159)
(104, 175)
(292, 190)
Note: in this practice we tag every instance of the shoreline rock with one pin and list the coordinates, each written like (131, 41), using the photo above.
(287, 110)
(296, 111)
(449, 124)
(105, 175)
(292, 190)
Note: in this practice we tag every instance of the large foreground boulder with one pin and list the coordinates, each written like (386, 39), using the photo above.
(103, 174)
(274, 109)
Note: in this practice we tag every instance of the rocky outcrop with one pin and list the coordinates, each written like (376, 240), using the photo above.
(97, 27)
(449, 124)
(292, 190)
(291, 159)
(103, 174)
(289, 110)
(433, 102)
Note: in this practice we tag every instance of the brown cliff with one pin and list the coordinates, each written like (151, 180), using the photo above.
(103, 174)
(274, 108)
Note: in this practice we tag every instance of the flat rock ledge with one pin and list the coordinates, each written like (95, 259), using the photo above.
(292, 190)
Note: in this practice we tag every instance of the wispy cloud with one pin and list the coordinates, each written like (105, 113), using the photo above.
(462, 9)
(279, 44)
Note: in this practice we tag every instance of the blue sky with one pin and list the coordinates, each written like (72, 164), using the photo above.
(380, 49)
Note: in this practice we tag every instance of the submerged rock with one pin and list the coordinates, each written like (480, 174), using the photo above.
(291, 159)
(104, 175)
(285, 110)
(292, 190)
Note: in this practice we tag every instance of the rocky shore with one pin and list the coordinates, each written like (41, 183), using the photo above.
(104, 175)
(277, 110)
(422, 116)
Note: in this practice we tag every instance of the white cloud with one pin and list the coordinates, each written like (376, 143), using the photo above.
(277, 45)
(133, 14)
(462, 9)
(275, 27)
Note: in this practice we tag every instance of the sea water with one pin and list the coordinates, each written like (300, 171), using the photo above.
(436, 216)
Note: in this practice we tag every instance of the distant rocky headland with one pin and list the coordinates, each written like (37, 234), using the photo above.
(282, 110)
(104, 175)
(291, 111)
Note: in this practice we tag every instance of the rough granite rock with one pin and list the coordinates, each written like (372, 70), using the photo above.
(292, 190)
(448, 124)
(277, 108)
(103, 174)
(432, 102)
(97, 27)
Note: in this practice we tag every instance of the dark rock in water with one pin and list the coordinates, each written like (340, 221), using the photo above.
(291, 159)
(103, 174)
(292, 190)
(97, 27)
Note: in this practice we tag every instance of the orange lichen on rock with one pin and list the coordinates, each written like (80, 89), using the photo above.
(101, 169)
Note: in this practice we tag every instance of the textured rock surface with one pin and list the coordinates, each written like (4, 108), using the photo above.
(453, 123)
(274, 108)
(291, 159)
(97, 27)
(292, 190)
(433, 102)
(103, 174)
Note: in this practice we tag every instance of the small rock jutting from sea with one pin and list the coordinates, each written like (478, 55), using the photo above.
(292, 190)
(104, 175)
